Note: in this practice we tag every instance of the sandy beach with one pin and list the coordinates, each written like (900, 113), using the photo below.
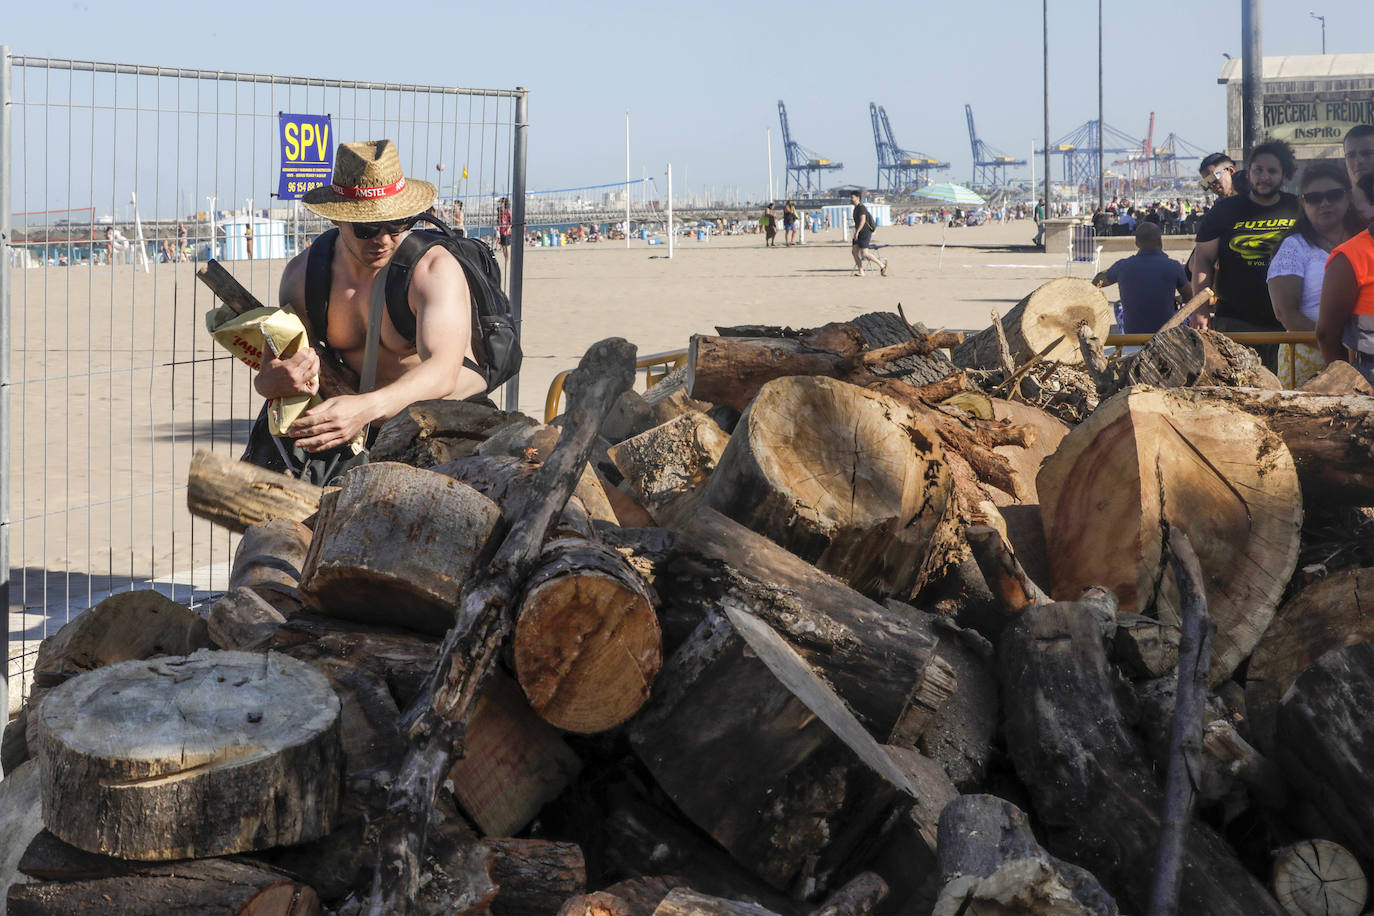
(117, 383)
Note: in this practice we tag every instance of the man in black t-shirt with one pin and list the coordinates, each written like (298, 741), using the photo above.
(863, 249)
(1236, 241)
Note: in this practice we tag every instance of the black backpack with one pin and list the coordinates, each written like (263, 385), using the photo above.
(495, 340)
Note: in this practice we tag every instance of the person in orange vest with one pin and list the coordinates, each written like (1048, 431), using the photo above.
(1346, 314)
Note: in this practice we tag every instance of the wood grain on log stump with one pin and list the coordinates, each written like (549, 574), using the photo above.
(236, 494)
(1054, 310)
(668, 466)
(1319, 878)
(213, 753)
(1328, 614)
(1147, 459)
(394, 545)
(1322, 742)
(845, 478)
(1185, 357)
(587, 643)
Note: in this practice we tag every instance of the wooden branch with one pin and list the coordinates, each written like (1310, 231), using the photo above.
(1095, 361)
(1009, 583)
(1016, 376)
(857, 898)
(1205, 296)
(1185, 739)
(236, 494)
(434, 721)
(335, 378)
(920, 345)
(1004, 359)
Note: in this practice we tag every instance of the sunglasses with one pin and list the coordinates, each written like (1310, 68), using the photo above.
(1214, 179)
(371, 230)
(1316, 198)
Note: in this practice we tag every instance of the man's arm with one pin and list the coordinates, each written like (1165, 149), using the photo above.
(1204, 264)
(1339, 290)
(300, 372)
(443, 322)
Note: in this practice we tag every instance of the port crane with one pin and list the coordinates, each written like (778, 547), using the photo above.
(989, 165)
(899, 170)
(804, 167)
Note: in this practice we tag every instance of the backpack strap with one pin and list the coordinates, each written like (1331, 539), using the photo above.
(402, 266)
(317, 283)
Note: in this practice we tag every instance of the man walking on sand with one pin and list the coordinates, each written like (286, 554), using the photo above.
(863, 249)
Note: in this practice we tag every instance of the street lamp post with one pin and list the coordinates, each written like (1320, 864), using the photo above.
(1322, 20)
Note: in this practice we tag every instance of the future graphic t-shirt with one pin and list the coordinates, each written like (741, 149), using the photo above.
(1248, 234)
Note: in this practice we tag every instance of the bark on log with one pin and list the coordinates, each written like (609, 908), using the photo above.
(1322, 738)
(1092, 790)
(21, 819)
(434, 721)
(369, 719)
(879, 661)
(533, 877)
(1144, 647)
(1054, 310)
(1331, 437)
(1319, 878)
(845, 478)
(684, 901)
(402, 659)
(435, 431)
(1328, 614)
(907, 859)
(1147, 459)
(587, 644)
(1185, 357)
(667, 466)
(1025, 460)
(394, 545)
(214, 753)
(1338, 378)
(989, 857)
(857, 898)
(506, 481)
(209, 886)
(241, 620)
(236, 494)
(1008, 582)
(269, 560)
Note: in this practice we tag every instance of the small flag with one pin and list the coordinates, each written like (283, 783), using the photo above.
(465, 171)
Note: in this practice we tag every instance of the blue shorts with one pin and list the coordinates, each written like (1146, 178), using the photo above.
(864, 239)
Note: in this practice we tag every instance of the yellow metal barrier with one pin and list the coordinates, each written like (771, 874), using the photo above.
(666, 362)
(674, 359)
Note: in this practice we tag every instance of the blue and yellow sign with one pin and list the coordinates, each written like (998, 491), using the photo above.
(307, 154)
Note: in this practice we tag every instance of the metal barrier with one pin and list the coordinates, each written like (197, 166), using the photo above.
(114, 180)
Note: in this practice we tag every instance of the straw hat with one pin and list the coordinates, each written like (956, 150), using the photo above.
(368, 186)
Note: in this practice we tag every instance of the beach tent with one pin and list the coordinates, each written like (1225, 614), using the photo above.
(842, 217)
(269, 238)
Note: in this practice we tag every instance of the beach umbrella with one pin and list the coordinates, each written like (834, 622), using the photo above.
(947, 193)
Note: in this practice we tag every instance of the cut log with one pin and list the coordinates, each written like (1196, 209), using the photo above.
(857, 898)
(1093, 792)
(587, 644)
(667, 466)
(269, 560)
(533, 877)
(879, 661)
(990, 858)
(1054, 310)
(671, 396)
(1328, 614)
(515, 762)
(1322, 738)
(1185, 357)
(1026, 459)
(1338, 378)
(684, 901)
(393, 545)
(961, 733)
(236, 494)
(1331, 437)
(369, 719)
(907, 859)
(1147, 459)
(402, 659)
(1319, 878)
(431, 432)
(758, 751)
(243, 620)
(21, 819)
(1144, 647)
(847, 479)
(213, 753)
(209, 886)
(629, 416)
(505, 480)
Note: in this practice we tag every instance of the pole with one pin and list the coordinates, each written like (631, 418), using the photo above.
(138, 232)
(627, 178)
(670, 211)
(768, 135)
(1045, 5)
(6, 234)
(1101, 170)
(515, 283)
(1252, 77)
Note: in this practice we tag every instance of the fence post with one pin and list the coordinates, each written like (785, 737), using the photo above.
(517, 230)
(6, 271)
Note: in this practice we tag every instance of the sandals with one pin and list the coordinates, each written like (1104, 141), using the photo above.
(883, 272)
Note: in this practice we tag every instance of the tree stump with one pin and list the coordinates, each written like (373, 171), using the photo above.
(1328, 614)
(667, 466)
(1322, 738)
(1319, 878)
(587, 644)
(1054, 310)
(213, 753)
(236, 494)
(845, 478)
(1147, 459)
(394, 545)
(1184, 357)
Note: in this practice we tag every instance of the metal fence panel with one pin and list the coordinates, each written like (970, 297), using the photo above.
(115, 181)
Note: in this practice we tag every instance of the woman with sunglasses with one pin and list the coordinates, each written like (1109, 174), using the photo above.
(1346, 318)
(1296, 273)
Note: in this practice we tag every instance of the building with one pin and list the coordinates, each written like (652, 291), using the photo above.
(1309, 100)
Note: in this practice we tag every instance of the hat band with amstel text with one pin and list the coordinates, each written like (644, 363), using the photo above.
(356, 193)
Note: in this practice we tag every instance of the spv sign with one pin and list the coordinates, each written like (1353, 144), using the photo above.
(307, 154)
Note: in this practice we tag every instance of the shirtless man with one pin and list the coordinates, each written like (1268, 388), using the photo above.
(373, 205)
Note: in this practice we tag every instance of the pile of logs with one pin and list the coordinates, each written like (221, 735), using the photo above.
(830, 621)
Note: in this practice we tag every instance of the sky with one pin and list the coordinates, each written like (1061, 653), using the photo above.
(702, 80)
